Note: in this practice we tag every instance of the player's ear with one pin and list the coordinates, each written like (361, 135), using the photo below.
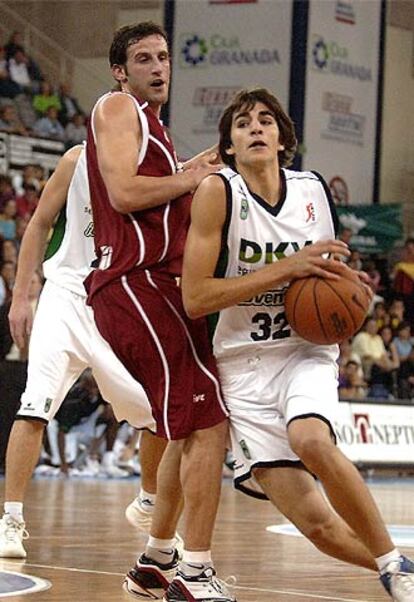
(118, 73)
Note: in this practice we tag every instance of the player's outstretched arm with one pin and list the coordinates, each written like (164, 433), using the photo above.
(204, 294)
(118, 142)
(34, 242)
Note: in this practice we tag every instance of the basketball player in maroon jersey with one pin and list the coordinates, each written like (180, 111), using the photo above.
(141, 205)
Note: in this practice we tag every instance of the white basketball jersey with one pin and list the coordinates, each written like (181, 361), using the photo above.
(70, 252)
(256, 234)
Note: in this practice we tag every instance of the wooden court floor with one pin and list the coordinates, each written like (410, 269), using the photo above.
(81, 542)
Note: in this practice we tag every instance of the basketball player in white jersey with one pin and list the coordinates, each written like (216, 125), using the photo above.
(255, 227)
(64, 341)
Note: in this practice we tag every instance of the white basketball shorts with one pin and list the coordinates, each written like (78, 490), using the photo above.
(264, 393)
(64, 342)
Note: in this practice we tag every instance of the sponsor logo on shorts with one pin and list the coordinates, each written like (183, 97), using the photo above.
(48, 404)
(245, 449)
(197, 397)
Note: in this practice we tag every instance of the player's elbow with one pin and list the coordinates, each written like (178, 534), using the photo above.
(194, 306)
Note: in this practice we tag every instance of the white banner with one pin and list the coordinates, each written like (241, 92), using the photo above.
(341, 95)
(381, 434)
(220, 47)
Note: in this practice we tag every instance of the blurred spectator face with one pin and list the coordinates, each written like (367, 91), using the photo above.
(78, 119)
(386, 334)
(35, 287)
(351, 372)
(8, 114)
(30, 192)
(45, 88)
(409, 250)
(29, 173)
(39, 172)
(17, 38)
(9, 210)
(52, 113)
(8, 271)
(397, 308)
(21, 225)
(9, 251)
(20, 57)
(5, 185)
(65, 89)
(371, 327)
(346, 235)
(404, 332)
(379, 310)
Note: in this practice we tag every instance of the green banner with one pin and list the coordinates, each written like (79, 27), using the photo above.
(375, 228)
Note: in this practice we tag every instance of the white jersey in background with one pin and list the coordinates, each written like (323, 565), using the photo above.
(256, 234)
(70, 251)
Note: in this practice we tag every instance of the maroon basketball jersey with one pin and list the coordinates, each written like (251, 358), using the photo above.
(153, 238)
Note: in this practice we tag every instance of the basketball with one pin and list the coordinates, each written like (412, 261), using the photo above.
(325, 311)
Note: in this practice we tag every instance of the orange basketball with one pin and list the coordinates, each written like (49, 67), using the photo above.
(326, 311)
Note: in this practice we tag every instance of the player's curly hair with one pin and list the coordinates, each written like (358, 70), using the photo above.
(131, 34)
(246, 99)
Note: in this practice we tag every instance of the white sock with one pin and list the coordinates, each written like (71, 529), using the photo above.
(160, 550)
(148, 499)
(383, 561)
(198, 557)
(15, 510)
(194, 564)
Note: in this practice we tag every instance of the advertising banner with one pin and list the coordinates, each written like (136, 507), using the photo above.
(376, 228)
(220, 47)
(381, 434)
(340, 122)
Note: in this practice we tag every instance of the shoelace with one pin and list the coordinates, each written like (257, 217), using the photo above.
(13, 529)
(405, 581)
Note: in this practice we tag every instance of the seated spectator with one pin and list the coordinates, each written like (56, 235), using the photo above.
(27, 203)
(8, 275)
(405, 350)
(380, 315)
(75, 131)
(383, 379)
(7, 219)
(8, 88)
(25, 110)
(397, 312)
(45, 99)
(10, 121)
(15, 43)
(49, 126)
(354, 260)
(6, 191)
(352, 386)
(19, 70)
(69, 104)
(369, 346)
(403, 280)
(374, 275)
(9, 251)
(347, 355)
(26, 176)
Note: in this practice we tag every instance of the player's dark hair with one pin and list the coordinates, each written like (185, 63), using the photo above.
(131, 34)
(246, 99)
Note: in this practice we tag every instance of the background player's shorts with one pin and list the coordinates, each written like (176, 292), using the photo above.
(264, 393)
(142, 318)
(64, 342)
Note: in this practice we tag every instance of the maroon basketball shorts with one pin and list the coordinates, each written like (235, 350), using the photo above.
(143, 319)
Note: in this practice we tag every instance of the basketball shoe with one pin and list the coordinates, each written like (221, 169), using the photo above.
(398, 580)
(149, 579)
(205, 587)
(12, 534)
(139, 514)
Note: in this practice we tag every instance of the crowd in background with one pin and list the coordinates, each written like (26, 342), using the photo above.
(30, 105)
(377, 363)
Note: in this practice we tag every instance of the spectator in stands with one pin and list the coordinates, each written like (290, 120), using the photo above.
(6, 191)
(374, 275)
(49, 126)
(383, 379)
(8, 274)
(45, 99)
(15, 44)
(8, 88)
(27, 203)
(27, 114)
(26, 176)
(404, 346)
(19, 70)
(369, 346)
(380, 315)
(397, 313)
(7, 219)
(21, 225)
(351, 384)
(403, 280)
(9, 251)
(345, 235)
(75, 131)
(69, 104)
(346, 354)
(354, 260)
(10, 121)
